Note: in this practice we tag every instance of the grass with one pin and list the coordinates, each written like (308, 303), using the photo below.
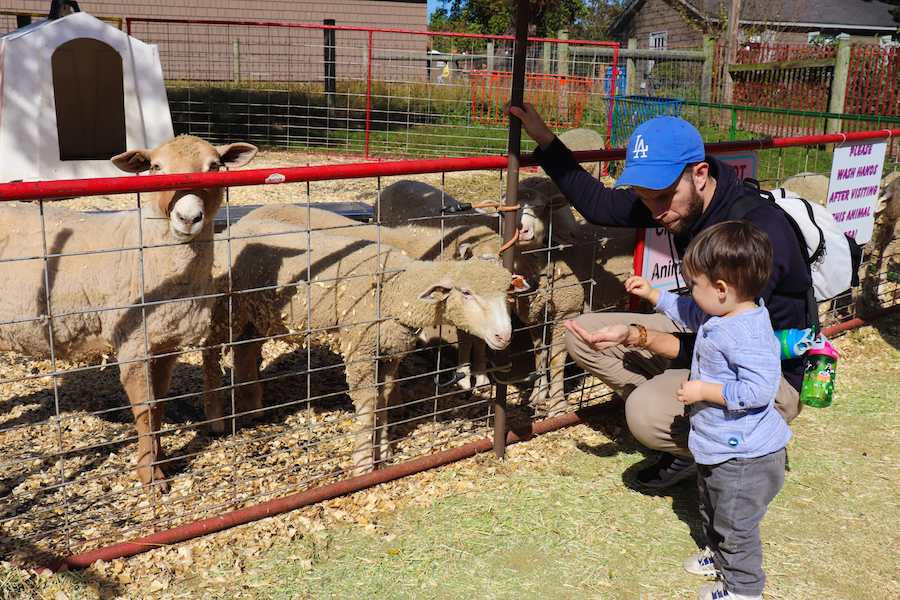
(563, 518)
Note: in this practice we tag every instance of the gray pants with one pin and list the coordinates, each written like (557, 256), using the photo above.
(648, 383)
(734, 496)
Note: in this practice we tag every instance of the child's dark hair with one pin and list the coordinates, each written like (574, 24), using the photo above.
(737, 252)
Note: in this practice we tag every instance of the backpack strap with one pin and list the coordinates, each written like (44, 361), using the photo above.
(756, 198)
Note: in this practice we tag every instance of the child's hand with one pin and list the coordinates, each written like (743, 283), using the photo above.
(690, 392)
(641, 288)
(638, 286)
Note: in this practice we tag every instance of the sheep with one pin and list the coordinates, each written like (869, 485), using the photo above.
(420, 208)
(581, 139)
(455, 243)
(811, 186)
(313, 286)
(882, 244)
(101, 300)
(565, 283)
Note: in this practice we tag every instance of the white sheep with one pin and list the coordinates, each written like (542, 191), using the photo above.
(581, 139)
(363, 300)
(565, 283)
(420, 208)
(129, 281)
(455, 243)
(811, 186)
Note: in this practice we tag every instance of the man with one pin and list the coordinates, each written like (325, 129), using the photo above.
(644, 357)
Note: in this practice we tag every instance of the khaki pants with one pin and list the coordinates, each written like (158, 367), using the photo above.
(647, 382)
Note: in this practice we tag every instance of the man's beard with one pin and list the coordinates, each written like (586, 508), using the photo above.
(692, 213)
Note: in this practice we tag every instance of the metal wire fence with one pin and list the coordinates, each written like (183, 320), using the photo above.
(69, 458)
(68, 467)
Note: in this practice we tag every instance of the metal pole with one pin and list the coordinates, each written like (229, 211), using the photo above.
(510, 224)
(330, 63)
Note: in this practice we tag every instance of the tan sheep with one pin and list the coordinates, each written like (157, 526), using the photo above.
(363, 300)
(114, 277)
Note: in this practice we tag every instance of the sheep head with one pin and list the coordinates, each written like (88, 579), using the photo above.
(887, 211)
(188, 210)
(472, 294)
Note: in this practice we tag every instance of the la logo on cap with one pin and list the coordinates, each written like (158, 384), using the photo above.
(640, 148)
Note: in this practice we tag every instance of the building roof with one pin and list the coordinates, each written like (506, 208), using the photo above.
(845, 15)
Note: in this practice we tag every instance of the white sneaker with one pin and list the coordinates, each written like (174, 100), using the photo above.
(717, 591)
(701, 563)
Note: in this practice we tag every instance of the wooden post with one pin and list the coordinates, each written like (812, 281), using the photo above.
(731, 47)
(630, 71)
(707, 77)
(236, 56)
(562, 53)
(838, 87)
(547, 57)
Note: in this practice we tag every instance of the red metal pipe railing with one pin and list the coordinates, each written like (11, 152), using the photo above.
(69, 188)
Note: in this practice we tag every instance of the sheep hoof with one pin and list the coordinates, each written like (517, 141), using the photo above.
(216, 428)
(557, 408)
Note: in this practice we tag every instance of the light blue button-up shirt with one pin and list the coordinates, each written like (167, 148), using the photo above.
(742, 354)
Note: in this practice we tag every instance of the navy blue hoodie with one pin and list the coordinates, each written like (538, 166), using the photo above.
(784, 295)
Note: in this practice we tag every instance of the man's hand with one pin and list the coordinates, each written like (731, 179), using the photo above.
(612, 335)
(532, 123)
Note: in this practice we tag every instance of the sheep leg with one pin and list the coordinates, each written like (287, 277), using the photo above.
(479, 363)
(388, 396)
(370, 402)
(148, 415)
(247, 358)
(212, 395)
(472, 358)
(541, 385)
(556, 398)
(464, 360)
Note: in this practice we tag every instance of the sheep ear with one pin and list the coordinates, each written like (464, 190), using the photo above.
(436, 292)
(133, 161)
(483, 211)
(464, 251)
(237, 155)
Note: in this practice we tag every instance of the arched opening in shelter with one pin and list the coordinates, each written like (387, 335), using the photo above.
(90, 100)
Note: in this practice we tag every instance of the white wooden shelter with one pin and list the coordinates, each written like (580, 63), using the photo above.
(74, 92)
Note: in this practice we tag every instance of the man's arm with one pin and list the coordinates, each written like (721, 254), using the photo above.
(665, 344)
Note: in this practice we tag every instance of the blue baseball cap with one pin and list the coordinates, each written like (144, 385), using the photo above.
(658, 151)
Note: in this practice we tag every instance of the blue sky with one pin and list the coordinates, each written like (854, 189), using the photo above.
(432, 5)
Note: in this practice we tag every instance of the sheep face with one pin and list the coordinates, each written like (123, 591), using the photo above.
(188, 210)
(474, 294)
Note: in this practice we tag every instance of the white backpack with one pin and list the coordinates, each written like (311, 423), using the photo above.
(832, 257)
